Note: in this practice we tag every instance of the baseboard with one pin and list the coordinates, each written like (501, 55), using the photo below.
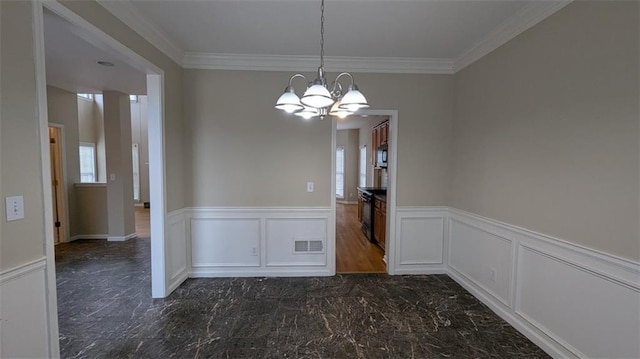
(549, 346)
(121, 238)
(421, 270)
(346, 202)
(560, 295)
(88, 236)
(257, 272)
(175, 283)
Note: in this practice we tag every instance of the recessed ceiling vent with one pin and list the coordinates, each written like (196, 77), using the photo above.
(308, 246)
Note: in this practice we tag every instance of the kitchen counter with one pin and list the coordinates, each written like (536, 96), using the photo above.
(373, 190)
(382, 197)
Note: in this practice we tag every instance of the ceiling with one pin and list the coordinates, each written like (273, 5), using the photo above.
(71, 60)
(397, 36)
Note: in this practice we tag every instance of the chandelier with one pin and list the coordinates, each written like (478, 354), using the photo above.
(320, 99)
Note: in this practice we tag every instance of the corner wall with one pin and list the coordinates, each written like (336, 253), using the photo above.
(546, 129)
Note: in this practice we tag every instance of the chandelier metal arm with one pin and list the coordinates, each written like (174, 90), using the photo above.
(298, 75)
(320, 99)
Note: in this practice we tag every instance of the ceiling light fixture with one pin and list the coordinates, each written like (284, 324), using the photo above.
(320, 99)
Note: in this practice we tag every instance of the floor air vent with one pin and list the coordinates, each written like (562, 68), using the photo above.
(314, 246)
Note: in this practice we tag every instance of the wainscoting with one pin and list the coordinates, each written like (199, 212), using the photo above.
(570, 300)
(245, 242)
(23, 312)
(420, 240)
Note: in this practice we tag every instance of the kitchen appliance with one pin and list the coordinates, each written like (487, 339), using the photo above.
(367, 214)
(382, 154)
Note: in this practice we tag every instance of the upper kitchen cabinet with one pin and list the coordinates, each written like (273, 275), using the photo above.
(379, 137)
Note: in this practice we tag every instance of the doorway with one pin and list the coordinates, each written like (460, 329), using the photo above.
(58, 193)
(360, 195)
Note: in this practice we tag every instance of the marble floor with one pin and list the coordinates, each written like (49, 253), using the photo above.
(105, 311)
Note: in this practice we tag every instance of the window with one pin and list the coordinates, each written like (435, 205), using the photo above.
(133, 98)
(340, 172)
(86, 96)
(135, 159)
(87, 162)
(363, 167)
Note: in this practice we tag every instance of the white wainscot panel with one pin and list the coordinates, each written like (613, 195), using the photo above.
(592, 315)
(23, 312)
(421, 240)
(225, 242)
(482, 257)
(281, 233)
(177, 247)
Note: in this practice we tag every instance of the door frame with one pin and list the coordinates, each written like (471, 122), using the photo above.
(157, 174)
(390, 250)
(65, 233)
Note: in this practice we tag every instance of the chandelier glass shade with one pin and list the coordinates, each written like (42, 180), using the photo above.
(318, 98)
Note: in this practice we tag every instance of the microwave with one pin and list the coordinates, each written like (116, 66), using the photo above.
(382, 155)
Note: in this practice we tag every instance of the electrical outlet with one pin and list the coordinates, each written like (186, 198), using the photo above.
(254, 251)
(492, 274)
(15, 208)
(309, 186)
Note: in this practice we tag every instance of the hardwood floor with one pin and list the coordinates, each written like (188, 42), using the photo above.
(354, 252)
(142, 222)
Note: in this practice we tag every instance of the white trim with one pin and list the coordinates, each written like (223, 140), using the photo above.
(625, 270)
(45, 161)
(527, 17)
(599, 266)
(23, 269)
(524, 19)
(551, 348)
(121, 238)
(217, 61)
(88, 236)
(157, 176)
(129, 14)
(271, 272)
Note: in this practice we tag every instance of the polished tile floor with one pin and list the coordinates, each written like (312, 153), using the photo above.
(105, 311)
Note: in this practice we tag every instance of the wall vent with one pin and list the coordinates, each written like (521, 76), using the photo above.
(308, 246)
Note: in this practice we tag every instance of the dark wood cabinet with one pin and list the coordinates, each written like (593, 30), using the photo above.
(380, 223)
(360, 206)
(379, 137)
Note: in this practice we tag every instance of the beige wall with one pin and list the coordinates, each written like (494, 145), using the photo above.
(62, 107)
(21, 167)
(117, 129)
(92, 209)
(249, 154)
(348, 139)
(173, 124)
(546, 129)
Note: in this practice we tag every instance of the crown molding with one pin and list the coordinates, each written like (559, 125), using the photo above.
(130, 16)
(213, 61)
(524, 19)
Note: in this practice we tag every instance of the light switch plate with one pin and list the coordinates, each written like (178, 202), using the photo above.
(309, 186)
(15, 208)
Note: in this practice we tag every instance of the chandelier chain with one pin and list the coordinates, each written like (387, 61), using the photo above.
(322, 34)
